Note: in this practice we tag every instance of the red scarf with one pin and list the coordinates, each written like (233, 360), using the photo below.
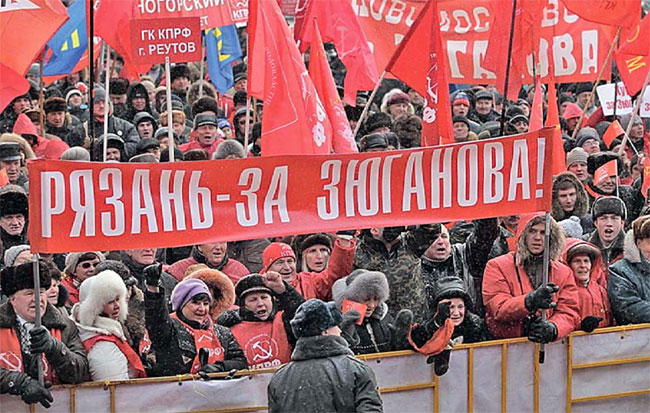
(132, 358)
(11, 358)
(204, 338)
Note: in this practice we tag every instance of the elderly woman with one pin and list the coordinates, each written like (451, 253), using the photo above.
(99, 314)
(628, 286)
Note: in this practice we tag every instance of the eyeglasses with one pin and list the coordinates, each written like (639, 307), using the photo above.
(87, 264)
(242, 122)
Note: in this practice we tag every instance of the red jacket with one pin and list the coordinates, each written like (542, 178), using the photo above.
(319, 284)
(232, 268)
(73, 291)
(504, 293)
(197, 145)
(43, 148)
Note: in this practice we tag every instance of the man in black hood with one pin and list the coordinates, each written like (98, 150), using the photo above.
(137, 100)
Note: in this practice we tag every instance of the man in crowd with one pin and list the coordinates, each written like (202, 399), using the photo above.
(10, 161)
(609, 214)
(206, 134)
(215, 256)
(13, 216)
(137, 260)
(145, 124)
(576, 163)
(59, 122)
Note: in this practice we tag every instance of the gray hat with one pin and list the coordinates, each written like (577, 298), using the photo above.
(585, 134)
(76, 153)
(576, 155)
(9, 151)
(374, 140)
(229, 147)
(205, 119)
(315, 316)
(73, 259)
(12, 253)
(144, 158)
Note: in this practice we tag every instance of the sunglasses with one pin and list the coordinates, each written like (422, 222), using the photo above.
(87, 264)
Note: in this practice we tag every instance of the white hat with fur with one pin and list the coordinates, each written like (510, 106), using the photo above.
(97, 291)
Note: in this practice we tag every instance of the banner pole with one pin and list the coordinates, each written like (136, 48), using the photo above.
(168, 89)
(91, 62)
(367, 107)
(106, 100)
(41, 92)
(593, 89)
(201, 69)
(37, 311)
(635, 111)
(507, 80)
(248, 109)
(547, 263)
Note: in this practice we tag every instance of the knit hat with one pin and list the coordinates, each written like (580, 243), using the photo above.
(223, 124)
(55, 104)
(571, 111)
(99, 95)
(585, 134)
(71, 93)
(315, 316)
(582, 248)
(275, 251)
(96, 292)
(12, 253)
(73, 259)
(229, 147)
(398, 97)
(608, 205)
(250, 283)
(21, 277)
(625, 121)
(13, 200)
(462, 119)
(186, 290)
(576, 155)
(461, 99)
(571, 227)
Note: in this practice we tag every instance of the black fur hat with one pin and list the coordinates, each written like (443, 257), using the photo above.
(13, 200)
(608, 205)
(14, 279)
(55, 104)
(315, 316)
(177, 71)
(598, 159)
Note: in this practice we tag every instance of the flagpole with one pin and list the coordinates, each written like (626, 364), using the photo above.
(593, 89)
(201, 70)
(168, 88)
(635, 111)
(367, 107)
(547, 263)
(248, 111)
(91, 63)
(106, 101)
(41, 92)
(507, 80)
(37, 312)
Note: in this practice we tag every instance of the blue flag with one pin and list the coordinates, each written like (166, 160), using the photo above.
(222, 48)
(69, 43)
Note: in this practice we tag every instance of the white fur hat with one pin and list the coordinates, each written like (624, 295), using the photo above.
(97, 291)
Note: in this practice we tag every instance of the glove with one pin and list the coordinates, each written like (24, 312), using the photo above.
(41, 341)
(542, 331)
(590, 323)
(441, 362)
(401, 328)
(443, 312)
(34, 392)
(349, 328)
(210, 368)
(542, 297)
(152, 274)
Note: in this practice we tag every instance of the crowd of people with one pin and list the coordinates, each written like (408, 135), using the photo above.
(261, 303)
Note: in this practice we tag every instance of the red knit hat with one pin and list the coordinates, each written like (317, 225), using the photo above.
(572, 110)
(275, 251)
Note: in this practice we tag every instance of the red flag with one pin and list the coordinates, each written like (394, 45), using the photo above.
(321, 75)
(4, 178)
(339, 24)
(646, 177)
(605, 171)
(553, 119)
(12, 84)
(614, 130)
(25, 27)
(633, 70)
(420, 62)
(537, 109)
(625, 13)
(634, 40)
(294, 121)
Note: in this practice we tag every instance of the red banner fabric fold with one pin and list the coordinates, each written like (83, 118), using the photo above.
(553, 121)
(93, 206)
(625, 13)
(12, 84)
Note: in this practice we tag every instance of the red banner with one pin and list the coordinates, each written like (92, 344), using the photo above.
(576, 48)
(152, 40)
(95, 206)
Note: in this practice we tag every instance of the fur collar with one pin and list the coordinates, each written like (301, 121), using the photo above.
(101, 325)
(52, 318)
(630, 250)
(582, 198)
(221, 288)
(556, 243)
(318, 347)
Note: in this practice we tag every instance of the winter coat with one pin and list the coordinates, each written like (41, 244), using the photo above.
(402, 267)
(629, 286)
(324, 376)
(249, 253)
(232, 268)
(466, 262)
(137, 271)
(128, 112)
(592, 296)
(506, 284)
(174, 346)
(610, 255)
(581, 207)
(69, 360)
(274, 333)
(319, 284)
(69, 132)
(472, 330)
(195, 144)
(376, 333)
(122, 128)
(43, 148)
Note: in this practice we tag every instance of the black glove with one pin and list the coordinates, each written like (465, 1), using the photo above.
(441, 362)
(41, 341)
(542, 297)
(401, 328)
(210, 368)
(590, 323)
(349, 327)
(542, 331)
(152, 274)
(34, 392)
(443, 312)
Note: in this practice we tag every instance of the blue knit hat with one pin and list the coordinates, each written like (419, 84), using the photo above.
(186, 290)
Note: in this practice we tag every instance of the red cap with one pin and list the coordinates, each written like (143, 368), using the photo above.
(275, 251)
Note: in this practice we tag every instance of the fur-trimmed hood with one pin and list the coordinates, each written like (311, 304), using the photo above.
(582, 199)
(361, 285)
(97, 291)
(221, 288)
(556, 242)
(630, 251)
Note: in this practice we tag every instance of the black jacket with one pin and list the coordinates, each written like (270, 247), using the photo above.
(118, 126)
(137, 271)
(174, 347)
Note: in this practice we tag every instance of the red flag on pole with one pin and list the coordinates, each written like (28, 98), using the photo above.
(339, 24)
(605, 171)
(625, 13)
(420, 62)
(614, 130)
(321, 75)
(12, 84)
(25, 27)
(294, 121)
(646, 177)
(553, 119)
(634, 40)
(537, 109)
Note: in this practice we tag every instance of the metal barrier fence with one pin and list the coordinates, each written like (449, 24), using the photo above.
(607, 370)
